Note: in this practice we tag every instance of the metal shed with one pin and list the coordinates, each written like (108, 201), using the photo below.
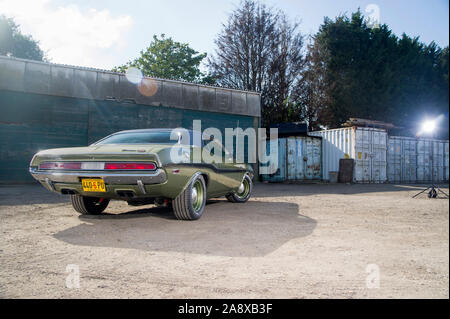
(46, 105)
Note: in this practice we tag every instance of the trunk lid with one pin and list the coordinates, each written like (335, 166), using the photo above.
(116, 152)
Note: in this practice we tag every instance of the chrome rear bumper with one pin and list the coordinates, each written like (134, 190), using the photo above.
(156, 177)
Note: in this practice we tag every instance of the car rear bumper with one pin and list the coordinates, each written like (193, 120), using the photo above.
(156, 177)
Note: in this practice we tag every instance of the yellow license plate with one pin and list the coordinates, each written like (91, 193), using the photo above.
(93, 185)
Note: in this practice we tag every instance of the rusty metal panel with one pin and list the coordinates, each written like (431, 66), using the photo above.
(172, 94)
(207, 98)
(190, 96)
(37, 78)
(223, 101)
(253, 104)
(69, 81)
(107, 86)
(295, 167)
(12, 75)
(312, 156)
(84, 84)
(127, 90)
(239, 102)
(304, 157)
(61, 81)
(149, 92)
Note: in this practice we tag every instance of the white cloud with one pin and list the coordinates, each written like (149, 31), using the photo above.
(69, 34)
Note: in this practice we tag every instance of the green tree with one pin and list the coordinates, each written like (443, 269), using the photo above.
(14, 43)
(166, 58)
(360, 71)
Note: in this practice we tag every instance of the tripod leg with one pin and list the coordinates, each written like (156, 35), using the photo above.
(440, 190)
(421, 192)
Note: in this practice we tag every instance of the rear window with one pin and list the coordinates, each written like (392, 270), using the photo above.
(141, 138)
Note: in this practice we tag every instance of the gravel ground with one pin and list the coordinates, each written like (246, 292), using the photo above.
(288, 241)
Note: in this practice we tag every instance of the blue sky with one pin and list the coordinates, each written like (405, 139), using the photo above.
(106, 33)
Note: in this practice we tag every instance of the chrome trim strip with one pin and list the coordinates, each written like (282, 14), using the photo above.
(156, 177)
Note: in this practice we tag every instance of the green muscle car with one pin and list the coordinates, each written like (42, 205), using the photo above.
(144, 167)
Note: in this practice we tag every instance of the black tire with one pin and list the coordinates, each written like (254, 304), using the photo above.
(244, 195)
(89, 205)
(189, 205)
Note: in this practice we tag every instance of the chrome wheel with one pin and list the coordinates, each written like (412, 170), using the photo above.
(243, 193)
(244, 189)
(197, 195)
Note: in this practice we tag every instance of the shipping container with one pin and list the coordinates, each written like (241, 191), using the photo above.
(298, 159)
(446, 160)
(417, 160)
(438, 161)
(367, 146)
(402, 159)
(424, 157)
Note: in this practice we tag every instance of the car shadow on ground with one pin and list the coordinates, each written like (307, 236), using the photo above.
(253, 229)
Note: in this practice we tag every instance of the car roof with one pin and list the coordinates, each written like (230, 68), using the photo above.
(151, 130)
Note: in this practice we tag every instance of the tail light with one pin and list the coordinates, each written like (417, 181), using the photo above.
(130, 166)
(149, 166)
(60, 165)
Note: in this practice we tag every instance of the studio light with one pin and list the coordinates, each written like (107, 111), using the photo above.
(428, 126)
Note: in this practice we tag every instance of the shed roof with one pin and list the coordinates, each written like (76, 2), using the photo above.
(90, 83)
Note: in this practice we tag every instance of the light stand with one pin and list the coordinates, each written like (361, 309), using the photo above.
(434, 190)
(433, 193)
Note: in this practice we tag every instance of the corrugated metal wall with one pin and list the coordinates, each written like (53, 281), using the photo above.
(412, 160)
(380, 158)
(367, 146)
(402, 159)
(299, 159)
(47, 106)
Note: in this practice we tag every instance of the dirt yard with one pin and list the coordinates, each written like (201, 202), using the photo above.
(288, 241)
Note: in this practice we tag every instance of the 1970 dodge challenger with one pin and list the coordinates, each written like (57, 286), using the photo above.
(138, 166)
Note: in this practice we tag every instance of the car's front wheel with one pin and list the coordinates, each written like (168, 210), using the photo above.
(189, 205)
(89, 205)
(243, 193)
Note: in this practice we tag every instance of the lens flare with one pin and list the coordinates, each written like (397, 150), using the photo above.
(428, 126)
(148, 87)
(134, 75)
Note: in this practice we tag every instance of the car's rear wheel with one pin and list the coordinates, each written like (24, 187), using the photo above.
(89, 205)
(243, 193)
(189, 205)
